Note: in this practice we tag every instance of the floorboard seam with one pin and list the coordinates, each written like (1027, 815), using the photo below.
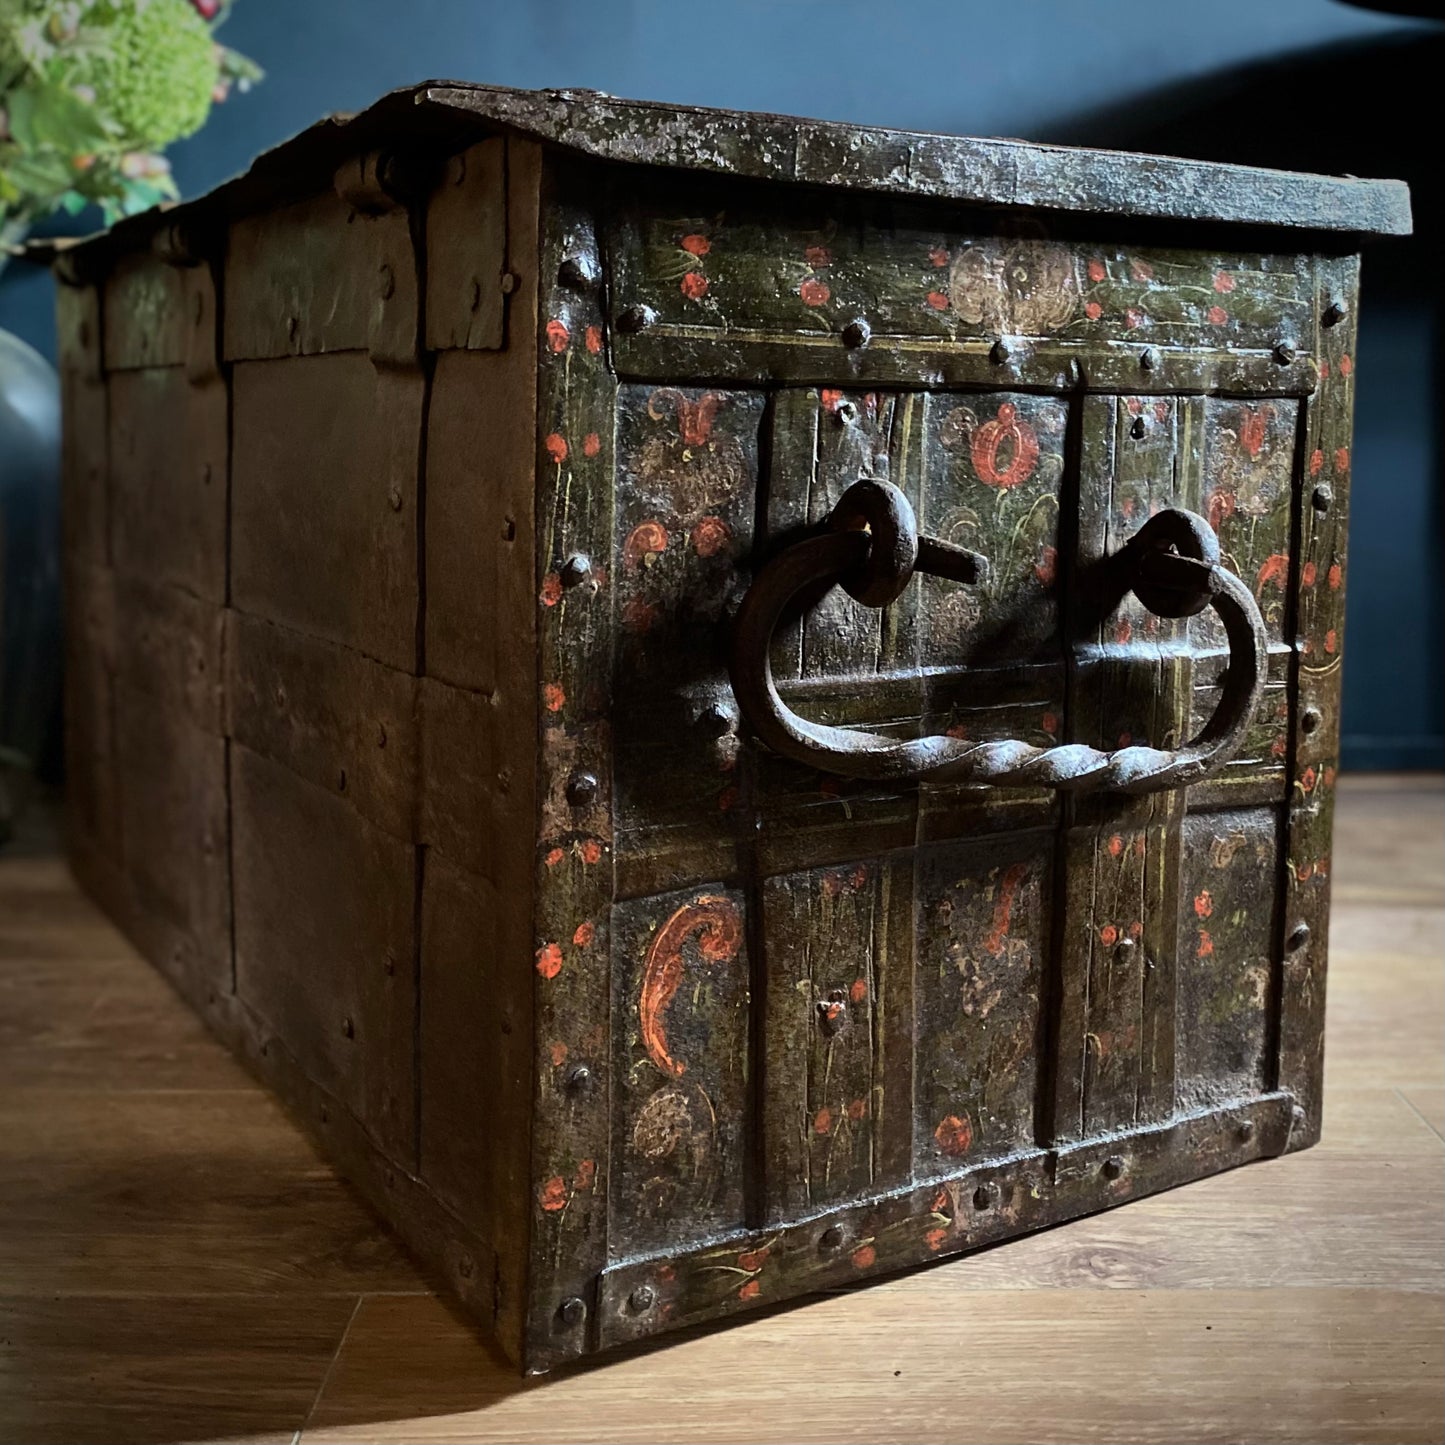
(326, 1377)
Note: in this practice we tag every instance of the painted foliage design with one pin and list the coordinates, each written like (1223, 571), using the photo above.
(1249, 471)
(1227, 939)
(981, 939)
(681, 1017)
(995, 462)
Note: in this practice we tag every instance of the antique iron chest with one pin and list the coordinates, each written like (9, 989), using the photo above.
(723, 704)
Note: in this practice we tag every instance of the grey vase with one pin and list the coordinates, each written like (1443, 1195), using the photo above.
(30, 634)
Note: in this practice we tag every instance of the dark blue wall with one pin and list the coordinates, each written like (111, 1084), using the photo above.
(1293, 82)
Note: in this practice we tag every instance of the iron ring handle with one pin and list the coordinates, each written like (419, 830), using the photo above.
(1172, 564)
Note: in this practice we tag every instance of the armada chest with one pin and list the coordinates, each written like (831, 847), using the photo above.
(723, 704)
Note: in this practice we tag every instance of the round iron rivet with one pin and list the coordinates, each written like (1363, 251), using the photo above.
(508, 282)
(579, 1079)
(578, 272)
(642, 1299)
(1323, 497)
(1298, 1117)
(581, 788)
(1113, 1167)
(1124, 949)
(1335, 312)
(1284, 353)
(831, 1238)
(984, 1196)
(845, 412)
(571, 1313)
(1149, 358)
(717, 719)
(636, 318)
(1245, 1130)
(576, 570)
(348, 1029)
(386, 279)
(857, 333)
(1137, 428)
(1299, 935)
(999, 352)
(1310, 719)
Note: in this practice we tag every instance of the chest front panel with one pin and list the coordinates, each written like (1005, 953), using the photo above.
(855, 1021)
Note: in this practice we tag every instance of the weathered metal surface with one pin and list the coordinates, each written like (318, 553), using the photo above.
(627, 1019)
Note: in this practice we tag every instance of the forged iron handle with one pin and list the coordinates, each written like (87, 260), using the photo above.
(873, 547)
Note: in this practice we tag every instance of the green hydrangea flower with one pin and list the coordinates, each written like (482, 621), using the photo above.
(161, 70)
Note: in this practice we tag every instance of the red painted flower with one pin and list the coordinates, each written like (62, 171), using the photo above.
(831, 398)
(1223, 282)
(1203, 904)
(1046, 567)
(938, 300)
(1307, 780)
(1330, 640)
(1116, 846)
(549, 960)
(584, 934)
(645, 540)
(1123, 631)
(553, 698)
(857, 1109)
(710, 536)
(1217, 316)
(1346, 366)
(594, 339)
(1307, 574)
(1136, 930)
(591, 444)
(858, 990)
(751, 1289)
(1093, 310)
(1253, 425)
(938, 256)
(1342, 459)
(551, 593)
(1274, 569)
(559, 1052)
(553, 1194)
(1317, 462)
(556, 447)
(1324, 370)
(1133, 317)
(1161, 412)
(557, 335)
(554, 857)
(1005, 450)
(1097, 270)
(1050, 723)
(753, 1260)
(693, 286)
(818, 256)
(934, 1239)
(823, 1121)
(586, 1174)
(639, 615)
(695, 245)
(1334, 577)
(1108, 935)
(864, 1257)
(814, 292)
(1205, 946)
(954, 1135)
(1140, 270)
(591, 851)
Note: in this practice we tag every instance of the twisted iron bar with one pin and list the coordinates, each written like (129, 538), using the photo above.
(1172, 564)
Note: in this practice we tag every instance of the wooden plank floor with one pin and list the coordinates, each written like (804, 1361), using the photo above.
(176, 1263)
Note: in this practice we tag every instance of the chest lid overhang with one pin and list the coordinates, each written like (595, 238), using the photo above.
(791, 150)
